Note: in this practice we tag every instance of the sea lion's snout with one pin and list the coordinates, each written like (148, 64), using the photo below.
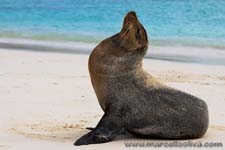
(131, 16)
(132, 13)
(133, 35)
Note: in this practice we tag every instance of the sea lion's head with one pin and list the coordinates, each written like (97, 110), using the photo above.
(123, 52)
(133, 36)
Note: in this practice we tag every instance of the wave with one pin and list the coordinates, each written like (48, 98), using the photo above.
(94, 38)
(189, 42)
(189, 54)
(182, 53)
(46, 46)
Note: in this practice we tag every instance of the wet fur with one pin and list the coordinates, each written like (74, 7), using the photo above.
(132, 99)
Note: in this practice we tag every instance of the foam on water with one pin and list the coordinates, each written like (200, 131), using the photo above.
(172, 53)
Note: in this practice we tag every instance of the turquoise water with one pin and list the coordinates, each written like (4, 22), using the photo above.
(168, 22)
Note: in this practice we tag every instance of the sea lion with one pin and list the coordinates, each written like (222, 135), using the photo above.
(132, 99)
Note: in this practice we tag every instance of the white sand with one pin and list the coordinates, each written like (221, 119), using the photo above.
(46, 99)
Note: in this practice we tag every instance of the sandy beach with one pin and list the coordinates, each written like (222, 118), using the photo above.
(47, 99)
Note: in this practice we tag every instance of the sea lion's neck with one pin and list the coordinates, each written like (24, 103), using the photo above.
(115, 67)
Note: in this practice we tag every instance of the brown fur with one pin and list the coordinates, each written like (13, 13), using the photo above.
(132, 99)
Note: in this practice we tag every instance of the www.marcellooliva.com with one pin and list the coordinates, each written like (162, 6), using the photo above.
(173, 144)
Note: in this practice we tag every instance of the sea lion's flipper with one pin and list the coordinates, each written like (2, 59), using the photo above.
(92, 137)
(108, 127)
(90, 128)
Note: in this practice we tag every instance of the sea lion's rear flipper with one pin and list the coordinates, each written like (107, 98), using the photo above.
(108, 127)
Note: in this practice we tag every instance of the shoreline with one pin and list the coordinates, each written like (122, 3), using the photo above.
(204, 55)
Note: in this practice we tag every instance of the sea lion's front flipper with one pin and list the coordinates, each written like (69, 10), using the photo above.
(90, 128)
(108, 127)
